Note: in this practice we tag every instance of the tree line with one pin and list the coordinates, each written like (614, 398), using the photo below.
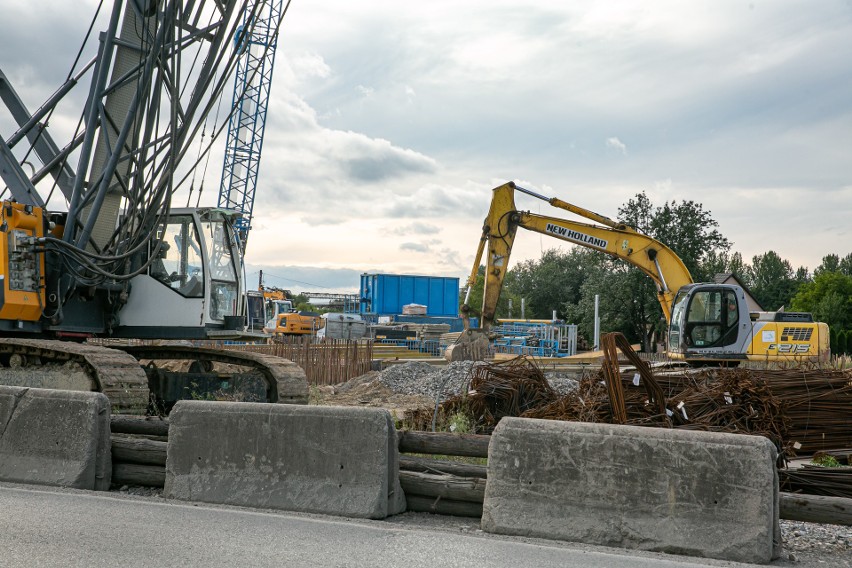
(567, 280)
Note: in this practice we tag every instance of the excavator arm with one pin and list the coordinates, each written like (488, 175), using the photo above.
(649, 255)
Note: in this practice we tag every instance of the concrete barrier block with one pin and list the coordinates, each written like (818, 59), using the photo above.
(55, 437)
(693, 493)
(331, 460)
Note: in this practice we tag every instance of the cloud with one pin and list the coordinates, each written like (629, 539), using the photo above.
(415, 247)
(365, 160)
(436, 201)
(614, 142)
(306, 278)
(399, 122)
(415, 229)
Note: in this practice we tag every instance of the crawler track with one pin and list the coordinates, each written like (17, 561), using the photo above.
(285, 381)
(113, 372)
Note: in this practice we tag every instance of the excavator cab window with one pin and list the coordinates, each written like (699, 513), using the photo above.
(711, 318)
(681, 300)
(179, 264)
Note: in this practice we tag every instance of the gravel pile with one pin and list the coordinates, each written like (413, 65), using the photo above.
(419, 378)
(802, 537)
(140, 490)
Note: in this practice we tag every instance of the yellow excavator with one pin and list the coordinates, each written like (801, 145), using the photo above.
(707, 323)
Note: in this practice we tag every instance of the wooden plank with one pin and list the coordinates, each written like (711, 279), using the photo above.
(137, 474)
(427, 465)
(138, 450)
(126, 424)
(441, 506)
(443, 443)
(470, 489)
(816, 509)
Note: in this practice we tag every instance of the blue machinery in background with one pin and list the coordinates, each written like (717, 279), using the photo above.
(252, 84)
(536, 339)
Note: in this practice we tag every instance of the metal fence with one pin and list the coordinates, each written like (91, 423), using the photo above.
(325, 362)
(430, 347)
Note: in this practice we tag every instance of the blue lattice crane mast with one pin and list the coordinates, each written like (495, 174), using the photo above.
(252, 83)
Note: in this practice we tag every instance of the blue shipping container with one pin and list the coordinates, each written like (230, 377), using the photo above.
(386, 294)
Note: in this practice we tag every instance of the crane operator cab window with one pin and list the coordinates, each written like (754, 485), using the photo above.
(711, 318)
(221, 244)
(178, 263)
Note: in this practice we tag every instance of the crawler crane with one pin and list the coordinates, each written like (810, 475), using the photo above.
(115, 259)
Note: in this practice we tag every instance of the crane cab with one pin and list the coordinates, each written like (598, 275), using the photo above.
(194, 278)
(711, 324)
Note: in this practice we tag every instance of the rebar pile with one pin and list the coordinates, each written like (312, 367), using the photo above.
(801, 410)
(734, 403)
(507, 388)
(818, 403)
(817, 480)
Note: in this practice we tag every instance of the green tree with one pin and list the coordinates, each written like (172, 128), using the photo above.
(833, 263)
(802, 276)
(627, 303)
(828, 298)
(830, 263)
(724, 262)
(548, 283)
(685, 227)
(773, 281)
(475, 299)
(845, 265)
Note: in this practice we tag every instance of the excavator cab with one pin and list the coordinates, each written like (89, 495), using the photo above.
(709, 322)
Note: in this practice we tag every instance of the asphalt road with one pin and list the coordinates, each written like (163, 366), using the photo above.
(48, 527)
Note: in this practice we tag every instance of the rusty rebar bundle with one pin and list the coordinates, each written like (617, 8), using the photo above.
(611, 343)
(802, 410)
(817, 480)
(506, 388)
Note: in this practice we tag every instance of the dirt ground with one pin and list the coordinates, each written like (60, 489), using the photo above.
(366, 390)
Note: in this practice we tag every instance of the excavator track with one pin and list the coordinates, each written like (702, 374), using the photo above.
(112, 372)
(286, 382)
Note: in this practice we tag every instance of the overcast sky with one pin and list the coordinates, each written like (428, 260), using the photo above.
(391, 121)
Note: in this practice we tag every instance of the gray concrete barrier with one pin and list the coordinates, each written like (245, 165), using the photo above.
(55, 437)
(694, 493)
(332, 460)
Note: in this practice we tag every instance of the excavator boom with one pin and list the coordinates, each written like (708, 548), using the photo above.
(649, 255)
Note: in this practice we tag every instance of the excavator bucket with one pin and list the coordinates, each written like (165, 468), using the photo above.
(472, 345)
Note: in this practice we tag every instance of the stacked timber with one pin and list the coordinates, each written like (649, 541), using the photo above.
(428, 331)
(432, 485)
(139, 450)
(443, 486)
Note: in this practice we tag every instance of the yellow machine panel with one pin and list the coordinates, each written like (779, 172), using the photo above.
(788, 340)
(21, 268)
(296, 323)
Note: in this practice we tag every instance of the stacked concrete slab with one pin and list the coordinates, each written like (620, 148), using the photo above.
(55, 437)
(694, 493)
(331, 460)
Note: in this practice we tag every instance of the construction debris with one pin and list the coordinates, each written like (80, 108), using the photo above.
(801, 410)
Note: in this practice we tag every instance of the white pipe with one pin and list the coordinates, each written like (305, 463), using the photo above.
(597, 334)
